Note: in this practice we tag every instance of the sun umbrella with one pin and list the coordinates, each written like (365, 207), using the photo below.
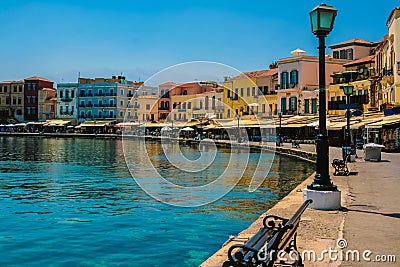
(166, 128)
(298, 51)
(187, 129)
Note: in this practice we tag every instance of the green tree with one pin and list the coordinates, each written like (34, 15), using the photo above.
(273, 65)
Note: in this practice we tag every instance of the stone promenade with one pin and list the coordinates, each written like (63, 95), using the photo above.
(369, 221)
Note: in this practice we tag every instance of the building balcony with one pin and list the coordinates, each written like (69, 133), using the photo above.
(163, 108)
(66, 99)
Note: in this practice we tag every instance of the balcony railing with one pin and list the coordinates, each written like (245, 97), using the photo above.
(163, 108)
(66, 99)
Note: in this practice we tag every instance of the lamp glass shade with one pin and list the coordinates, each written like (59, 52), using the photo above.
(348, 89)
(322, 19)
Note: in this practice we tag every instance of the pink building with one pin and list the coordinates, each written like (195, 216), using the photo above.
(353, 49)
(298, 77)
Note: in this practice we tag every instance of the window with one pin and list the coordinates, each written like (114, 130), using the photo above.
(33, 88)
(1, 89)
(33, 99)
(253, 91)
(248, 91)
(183, 105)
(189, 105)
(229, 113)
(14, 100)
(307, 106)
(29, 85)
(314, 105)
(20, 88)
(398, 66)
(266, 90)
(121, 102)
(349, 53)
(335, 55)
(332, 98)
(365, 92)
(15, 88)
(122, 92)
(121, 114)
(294, 77)
(28, 111)
(147, 106)
(343, 54)
(29, 99)
(33, 111)
(229, 93)
(241, 92)
(338, 98)
(61, 94)
(72, 93)
(284, 80)
(185, 92)
(360, 92)
(263, 108)
(293, 104)
(283, 104)
(344, 98)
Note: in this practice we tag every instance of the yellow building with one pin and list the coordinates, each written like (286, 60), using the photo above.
(251, 93)
(360, 74)
(147, 108)
(12, 100)
(388, 63)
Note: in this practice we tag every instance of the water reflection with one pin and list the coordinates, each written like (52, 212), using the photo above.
(73, 202)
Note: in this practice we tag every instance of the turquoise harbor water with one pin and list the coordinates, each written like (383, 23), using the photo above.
(72, 202)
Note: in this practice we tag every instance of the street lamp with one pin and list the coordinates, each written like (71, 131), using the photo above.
(348, 91)
(322, 19)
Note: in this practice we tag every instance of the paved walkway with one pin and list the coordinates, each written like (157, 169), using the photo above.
(369, 220)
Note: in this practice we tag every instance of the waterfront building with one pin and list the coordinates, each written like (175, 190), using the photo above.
(104, 98)
(11, 101)
(298, 83)
(47, 104)
(32, 87)
(197, 101)
(251, 93)
(164, 102)
(360, 74)
(67, 101)
(126, 95)
(147, 108)
(353, 49)
(134, 105)
(387, 61)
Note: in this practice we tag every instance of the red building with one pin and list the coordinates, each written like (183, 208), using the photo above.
(31, 101)
(170, 89)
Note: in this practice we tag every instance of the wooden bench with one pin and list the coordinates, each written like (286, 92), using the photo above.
(277, 234)
(340, 166)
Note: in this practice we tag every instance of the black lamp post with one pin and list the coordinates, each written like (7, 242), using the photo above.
(322, 19)
(348, 91)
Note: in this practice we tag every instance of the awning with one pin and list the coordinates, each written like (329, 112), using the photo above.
(95, 123)
(56, 123)
(293, 125)
(380, 124)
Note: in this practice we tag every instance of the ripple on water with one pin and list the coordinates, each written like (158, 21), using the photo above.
(72, 202)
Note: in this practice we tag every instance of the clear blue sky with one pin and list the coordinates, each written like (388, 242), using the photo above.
(58, 39)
